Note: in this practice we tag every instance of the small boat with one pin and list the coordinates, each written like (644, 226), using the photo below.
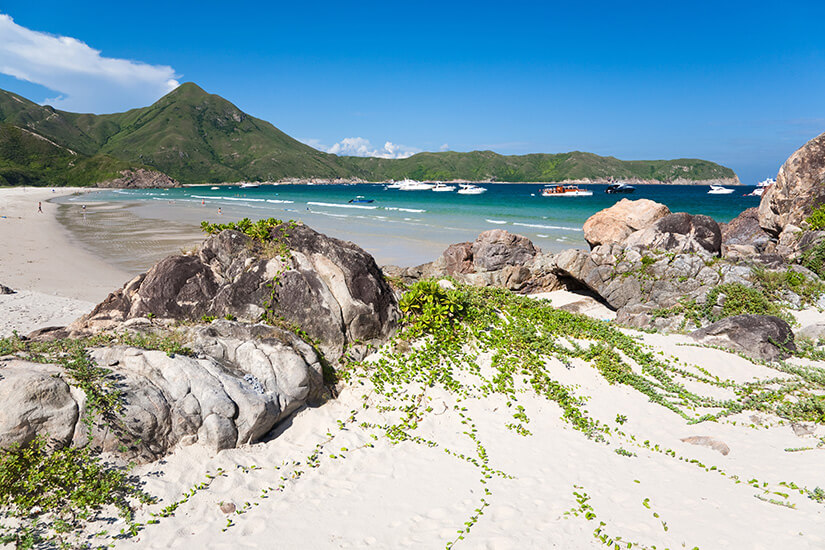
(215, 187)
(360, 200)
(760, 187)
(249, 185)
(719, 190)
(566, 191)
(619, 188)
(412, 185)
(441, 187)
(470, 189)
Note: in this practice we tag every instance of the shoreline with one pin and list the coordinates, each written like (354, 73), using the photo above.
(40, 255)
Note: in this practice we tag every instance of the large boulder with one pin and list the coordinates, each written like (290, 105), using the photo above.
(615, 224)
(496, 258)
(35, 401)
(761, 336)
(743, 237)
(242, 381)
(331, 289)
(680, 233)
(494, 249)
(798, 191)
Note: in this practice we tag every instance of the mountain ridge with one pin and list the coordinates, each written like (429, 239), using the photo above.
(197, 137)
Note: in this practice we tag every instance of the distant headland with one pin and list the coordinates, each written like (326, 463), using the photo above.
(189, 136)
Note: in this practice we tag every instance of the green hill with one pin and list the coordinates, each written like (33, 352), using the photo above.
(29, 159)
(198, 137)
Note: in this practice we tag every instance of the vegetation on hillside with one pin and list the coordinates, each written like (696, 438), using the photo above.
(28, 159)
(197, 137)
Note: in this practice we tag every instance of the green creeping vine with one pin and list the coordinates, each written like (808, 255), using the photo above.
(50, 495)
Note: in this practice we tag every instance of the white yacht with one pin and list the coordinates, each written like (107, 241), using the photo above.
(719, 190)
(412, 185)
(470, 189)
(760, 187)
(441, 187)
(250, 185)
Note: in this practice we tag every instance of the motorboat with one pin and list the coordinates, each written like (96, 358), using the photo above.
(412, 185)
(393, 185)
(760, 187)
(214, 188)
(621, 187)
(360, 200)
(470, 189)
(719, 190)
(250, 185)
(441, 187)
(566, 191)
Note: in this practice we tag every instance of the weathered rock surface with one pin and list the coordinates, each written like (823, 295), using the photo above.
(798, 191)
(744, 238)
(331, 289)
(496, 258)
(5, 290)
(35, 401)
(244, 380)
(679, 233)
(494, 249)
(615, 224)
(762, 336)
(140, 179)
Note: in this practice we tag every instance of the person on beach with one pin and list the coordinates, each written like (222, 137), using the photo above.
(40, 207)
(219, 211)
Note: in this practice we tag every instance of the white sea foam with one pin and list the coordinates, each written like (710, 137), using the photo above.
(278, 201)
(497, 222)
(228, 198)
(399, 209)
(539, 226)
(333, 205)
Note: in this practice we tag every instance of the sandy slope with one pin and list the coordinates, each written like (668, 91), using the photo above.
(411, 495)
(56, 280)
(38, 255)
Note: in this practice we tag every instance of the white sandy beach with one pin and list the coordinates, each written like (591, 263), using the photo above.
(410, 495)
(368, 492)
(56, 281)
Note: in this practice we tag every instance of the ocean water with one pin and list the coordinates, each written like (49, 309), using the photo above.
(412, 227)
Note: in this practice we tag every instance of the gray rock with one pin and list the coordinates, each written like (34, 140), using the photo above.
(332, 289)
(245, 380)
(799, 188)
(494, 249)
(743, 237)
(761, 336)
(5, 290)
(680, 233)
(35, 401)
(815, 332)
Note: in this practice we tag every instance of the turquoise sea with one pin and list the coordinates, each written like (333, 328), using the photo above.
(412, 227)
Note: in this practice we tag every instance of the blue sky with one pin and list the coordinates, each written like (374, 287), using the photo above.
(739, 83)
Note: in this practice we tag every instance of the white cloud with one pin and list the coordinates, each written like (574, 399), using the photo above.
(360, 147)
(445, 147)
(85, 80)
